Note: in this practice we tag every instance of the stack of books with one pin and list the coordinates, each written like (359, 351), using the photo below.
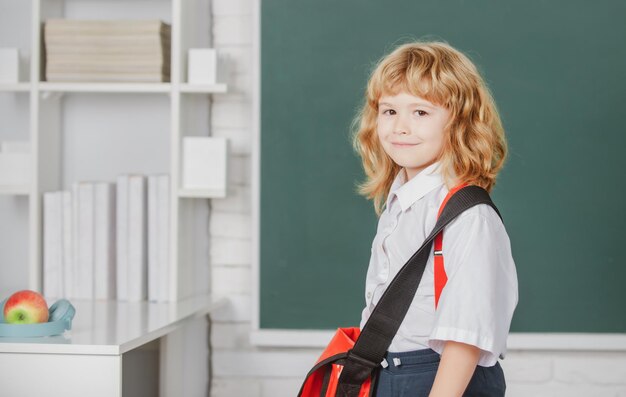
(143, 208)
(108, 241)
(79, 244)
(107, 51)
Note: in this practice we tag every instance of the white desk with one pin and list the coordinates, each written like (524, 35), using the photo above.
(87, 361)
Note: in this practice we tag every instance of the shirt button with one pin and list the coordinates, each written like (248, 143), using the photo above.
(369, 295)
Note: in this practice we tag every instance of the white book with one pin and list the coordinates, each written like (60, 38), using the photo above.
(85, 264)
(118, 59)
(137, 239)
(105, 27)
(163, 236)
(62, 50)
(122, 237)
(153, 264)
(68, 245)
(107, 67)
(72, 291)
(109, 77)
(123, 41)
(53, 247)
(104, 241)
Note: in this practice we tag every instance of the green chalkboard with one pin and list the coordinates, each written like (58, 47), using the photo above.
(556, 69)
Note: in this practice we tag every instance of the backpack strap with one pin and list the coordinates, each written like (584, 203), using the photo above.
(441, 278)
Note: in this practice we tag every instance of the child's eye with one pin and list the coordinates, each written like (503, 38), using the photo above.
(421, 112)
(389, 112)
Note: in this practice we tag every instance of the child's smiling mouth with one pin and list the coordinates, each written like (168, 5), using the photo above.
(400, 144)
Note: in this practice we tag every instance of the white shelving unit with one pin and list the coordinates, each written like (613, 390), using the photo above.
(96, 131)
(18, 87)
(14, 190)
(203, 89)
(137, 88)
(49, 103)
(198, 193)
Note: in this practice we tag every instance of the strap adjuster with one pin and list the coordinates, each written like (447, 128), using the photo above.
(438, 253)
(360, 360)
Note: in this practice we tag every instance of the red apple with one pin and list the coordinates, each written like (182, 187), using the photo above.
(26, 307)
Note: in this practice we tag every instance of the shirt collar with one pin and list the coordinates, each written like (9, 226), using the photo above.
(408, 192)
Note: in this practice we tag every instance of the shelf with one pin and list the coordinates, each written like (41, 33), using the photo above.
(14, 87)
(201, 193)
(110, 327)
(116, 88)
(140, 88)
(203, 89)
(128, 88)
(14, 190)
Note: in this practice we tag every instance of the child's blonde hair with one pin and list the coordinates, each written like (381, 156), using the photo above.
(474, 147)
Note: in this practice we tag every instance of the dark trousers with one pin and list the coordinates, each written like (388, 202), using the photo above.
(413, 373)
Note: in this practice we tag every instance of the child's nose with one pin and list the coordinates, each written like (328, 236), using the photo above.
(401, 126)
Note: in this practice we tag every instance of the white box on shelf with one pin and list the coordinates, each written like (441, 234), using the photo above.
(9, 65)
(206, 66)
(204, 163)
(14, 163)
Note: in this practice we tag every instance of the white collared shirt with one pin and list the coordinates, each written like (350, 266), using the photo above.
(476, 306)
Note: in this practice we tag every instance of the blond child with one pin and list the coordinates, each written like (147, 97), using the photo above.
(428, 124)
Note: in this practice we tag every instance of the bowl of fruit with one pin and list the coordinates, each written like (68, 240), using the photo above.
(26, 314)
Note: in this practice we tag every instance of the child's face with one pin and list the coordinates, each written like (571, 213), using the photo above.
(411, 130)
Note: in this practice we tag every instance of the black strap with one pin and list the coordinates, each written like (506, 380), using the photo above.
(382, 325)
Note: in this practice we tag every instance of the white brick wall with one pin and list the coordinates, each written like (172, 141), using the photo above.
(240, 369)
(575, 374)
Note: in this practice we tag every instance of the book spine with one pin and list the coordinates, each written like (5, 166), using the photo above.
(52, 271)
(107, 41)
(59, 243)
(153, 264)
(86, 241)
(112, 266)
(73, 285)
(125, 78)
(137, 241)
(163, 236)
(107, 69)
(122, 237)
(105, 26)
(59, 51)
(103, 242)
(68, 246)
